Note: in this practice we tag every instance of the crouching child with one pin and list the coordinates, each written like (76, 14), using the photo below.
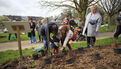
(56, 40)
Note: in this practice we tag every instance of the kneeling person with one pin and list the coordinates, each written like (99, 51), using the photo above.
(55, 47)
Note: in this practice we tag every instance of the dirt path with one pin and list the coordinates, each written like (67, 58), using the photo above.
(14, 45)
(26, 44)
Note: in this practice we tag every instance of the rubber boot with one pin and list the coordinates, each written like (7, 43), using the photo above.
(87, 45)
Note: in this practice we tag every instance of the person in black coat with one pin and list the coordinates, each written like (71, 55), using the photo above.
(72, 24)
(31, 34)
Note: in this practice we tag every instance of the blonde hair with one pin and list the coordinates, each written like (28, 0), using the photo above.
(94, 7)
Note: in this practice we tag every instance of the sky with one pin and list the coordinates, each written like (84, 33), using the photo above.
(25, 8)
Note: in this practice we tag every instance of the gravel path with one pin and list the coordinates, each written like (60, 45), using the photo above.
(26, 44)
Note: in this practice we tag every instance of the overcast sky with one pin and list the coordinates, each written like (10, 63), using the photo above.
(25, 8)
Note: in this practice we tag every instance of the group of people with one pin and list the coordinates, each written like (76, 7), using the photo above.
(91, 27)
(31, 34)
(64, 34)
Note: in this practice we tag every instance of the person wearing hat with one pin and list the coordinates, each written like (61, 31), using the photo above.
(92, 24)
(118, 25)
(31, 34)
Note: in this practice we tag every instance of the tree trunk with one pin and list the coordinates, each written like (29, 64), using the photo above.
(84, 15)
(109, 21)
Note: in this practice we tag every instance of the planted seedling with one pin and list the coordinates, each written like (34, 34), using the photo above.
(35, 56)
(117, 50)
(33, 64)
(69, 60)
(42, 52)
(96, 56)
(23, 67)
(47, 61)
(51, 66)
(80, 49)
(98, 47)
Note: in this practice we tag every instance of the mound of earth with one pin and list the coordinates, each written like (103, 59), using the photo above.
(102, 57)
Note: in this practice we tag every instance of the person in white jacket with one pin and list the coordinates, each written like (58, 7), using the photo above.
(67, 35)
(92, 24)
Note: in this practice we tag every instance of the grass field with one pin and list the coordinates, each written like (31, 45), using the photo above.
(23, 37)
(12, 54)
(104, 29)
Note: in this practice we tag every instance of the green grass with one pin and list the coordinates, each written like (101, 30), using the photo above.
(105, 41)
(12, 54)
(104, 29)
(23, 37)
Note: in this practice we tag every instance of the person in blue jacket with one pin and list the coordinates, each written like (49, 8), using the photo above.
(53, 28)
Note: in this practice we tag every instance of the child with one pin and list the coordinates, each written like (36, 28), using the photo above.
(67, 34)
(55, 47)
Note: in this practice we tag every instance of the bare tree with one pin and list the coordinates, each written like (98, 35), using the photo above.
(79, 5)
(110, 7)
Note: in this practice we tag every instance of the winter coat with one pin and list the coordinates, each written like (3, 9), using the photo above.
(118, 19)
(32, 26)
(43, 30)
(92, 24)
(38, 28)
(72, 23)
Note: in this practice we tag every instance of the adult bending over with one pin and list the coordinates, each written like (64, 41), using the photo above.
(53, 28)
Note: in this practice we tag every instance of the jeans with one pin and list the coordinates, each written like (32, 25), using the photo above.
(45, 42)
(117, 31)
(32, 39)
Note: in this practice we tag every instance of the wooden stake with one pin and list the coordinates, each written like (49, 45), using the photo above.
(19, 41)
(48, 36)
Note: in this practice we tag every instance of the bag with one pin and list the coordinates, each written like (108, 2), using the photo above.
(50, 46)
(92, 22)
(13, 38)
(38, 49)
(74, 37)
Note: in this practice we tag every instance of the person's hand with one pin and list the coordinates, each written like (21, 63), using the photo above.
(56, 44)
(96, 31)
(31, 29)
(62, 48)
(117, 24)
